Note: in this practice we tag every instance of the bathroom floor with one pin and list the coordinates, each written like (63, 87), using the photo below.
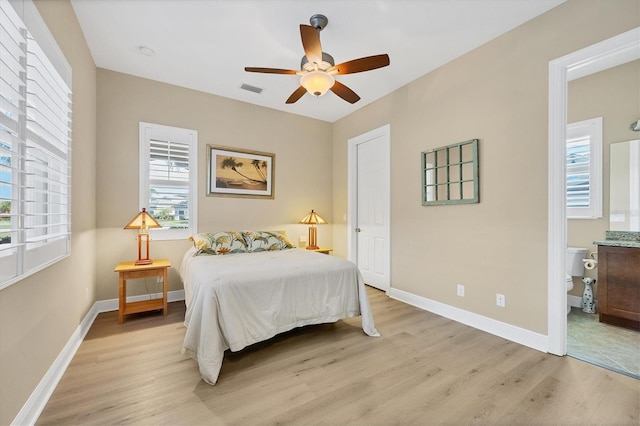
(608, 346)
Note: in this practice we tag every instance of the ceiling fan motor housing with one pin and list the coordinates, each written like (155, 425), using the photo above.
(327, 62)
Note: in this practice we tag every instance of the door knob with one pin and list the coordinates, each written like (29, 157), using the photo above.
(358, 229)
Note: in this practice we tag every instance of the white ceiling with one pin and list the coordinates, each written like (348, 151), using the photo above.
(205, 44)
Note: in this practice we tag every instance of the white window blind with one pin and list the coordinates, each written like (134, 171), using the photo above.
(168, 179)
(584, 169)
(35, 145)
(578, 167)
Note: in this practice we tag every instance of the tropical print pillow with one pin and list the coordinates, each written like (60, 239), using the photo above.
(266, 240)
(219, 243)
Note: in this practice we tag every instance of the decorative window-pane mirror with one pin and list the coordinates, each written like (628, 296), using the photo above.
(450, 174)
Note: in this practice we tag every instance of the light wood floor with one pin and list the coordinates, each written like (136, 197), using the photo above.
(424, 370)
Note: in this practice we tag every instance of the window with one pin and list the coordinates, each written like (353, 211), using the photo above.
(168, 179)
(584, 169)
(35, 145)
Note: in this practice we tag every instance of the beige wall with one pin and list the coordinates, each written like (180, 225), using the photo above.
(497, 93)
(614, 95)
(40, 313)
(303, 169)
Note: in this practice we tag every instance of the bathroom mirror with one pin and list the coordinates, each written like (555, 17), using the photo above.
(624, 186)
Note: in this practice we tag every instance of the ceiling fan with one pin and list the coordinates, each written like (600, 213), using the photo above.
(317, 69)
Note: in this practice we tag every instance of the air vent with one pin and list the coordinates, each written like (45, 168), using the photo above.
(251, 88)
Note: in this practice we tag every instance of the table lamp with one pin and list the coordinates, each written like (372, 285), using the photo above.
(313, 218)
(143, 221)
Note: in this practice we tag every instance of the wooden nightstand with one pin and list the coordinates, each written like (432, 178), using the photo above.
(129, 271)
(324, 250)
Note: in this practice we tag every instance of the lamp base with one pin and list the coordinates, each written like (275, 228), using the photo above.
(313, 234)
(143, 261)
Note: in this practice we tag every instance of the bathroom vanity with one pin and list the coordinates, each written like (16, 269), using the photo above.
(619, 279)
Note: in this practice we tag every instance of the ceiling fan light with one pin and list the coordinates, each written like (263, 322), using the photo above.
(317, 83)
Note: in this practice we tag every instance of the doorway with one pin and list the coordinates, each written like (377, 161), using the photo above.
(609, 53)
(369, 205)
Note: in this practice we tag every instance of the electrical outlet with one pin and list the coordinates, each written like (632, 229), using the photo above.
(158, 279)
(460, 290)
(86, 293)
(500, 300)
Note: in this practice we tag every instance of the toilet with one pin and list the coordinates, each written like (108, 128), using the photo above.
(574, 267)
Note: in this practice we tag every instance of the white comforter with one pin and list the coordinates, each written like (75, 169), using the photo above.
(236, 300)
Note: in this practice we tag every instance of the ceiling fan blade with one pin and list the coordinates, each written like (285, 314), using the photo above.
(345, 93)
(270, 70)
(362, 64)
(297, 94)
(311, 43)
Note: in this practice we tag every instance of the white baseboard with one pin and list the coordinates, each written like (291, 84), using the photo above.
(31, 410)
(510, 332)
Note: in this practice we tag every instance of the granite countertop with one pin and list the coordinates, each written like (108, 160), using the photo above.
(620, 239)
(618, 243)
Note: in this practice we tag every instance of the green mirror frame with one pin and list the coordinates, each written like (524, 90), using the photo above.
(450, 174)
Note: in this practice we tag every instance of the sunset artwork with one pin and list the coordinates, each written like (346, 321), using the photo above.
(240, 173)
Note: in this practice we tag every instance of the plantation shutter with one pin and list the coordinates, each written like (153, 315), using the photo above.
(584, 169)
(35, 145)
(13, 71)
(578, 172)
(48, 151)
(169, 183)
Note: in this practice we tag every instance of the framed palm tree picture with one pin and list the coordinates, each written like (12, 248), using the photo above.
(234, 172)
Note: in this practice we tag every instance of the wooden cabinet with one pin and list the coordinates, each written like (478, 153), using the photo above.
(619, 286)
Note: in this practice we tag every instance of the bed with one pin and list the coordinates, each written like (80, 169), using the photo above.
(249, 295)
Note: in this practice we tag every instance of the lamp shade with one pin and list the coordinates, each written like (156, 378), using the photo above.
(317, 82)
(313, 218)
(143, 220)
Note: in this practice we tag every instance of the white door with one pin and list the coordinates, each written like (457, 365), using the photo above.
(369, 206)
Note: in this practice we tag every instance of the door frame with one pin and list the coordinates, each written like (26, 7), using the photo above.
(609, 53)
(352, 194)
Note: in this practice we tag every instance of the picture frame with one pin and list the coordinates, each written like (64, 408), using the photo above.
(235, 172)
